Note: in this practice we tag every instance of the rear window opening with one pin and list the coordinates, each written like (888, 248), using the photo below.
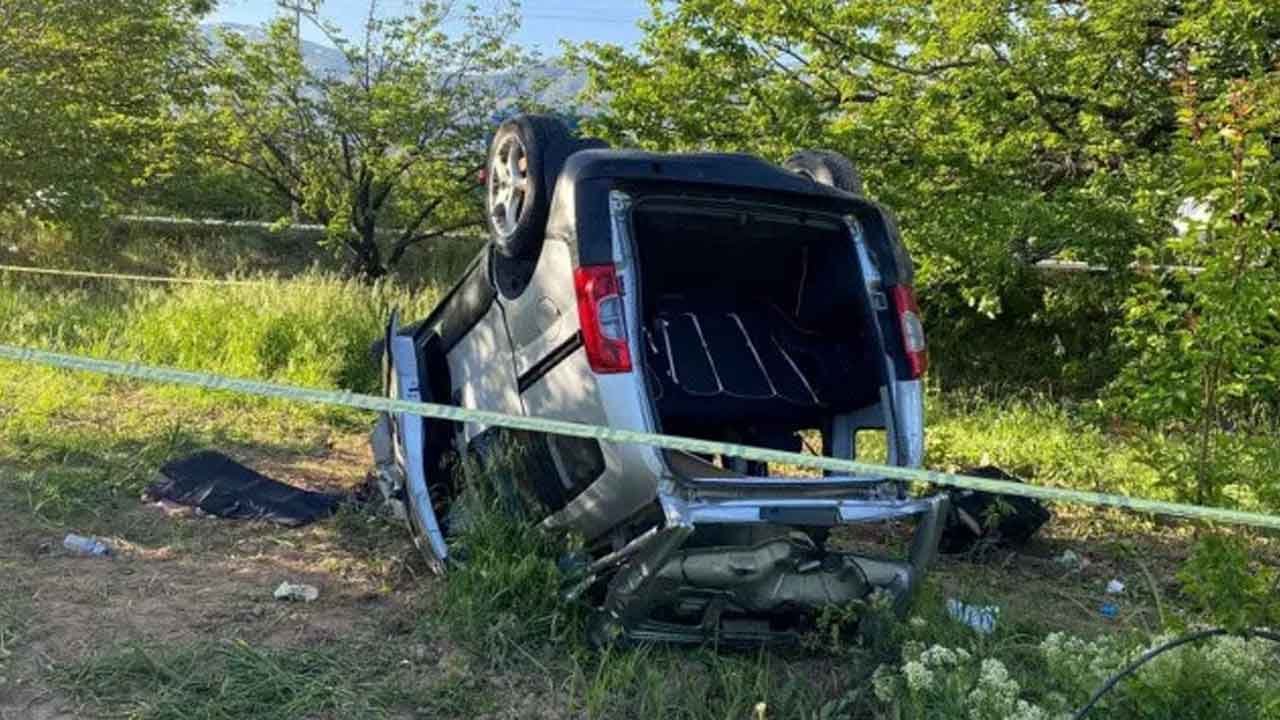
(756, 324)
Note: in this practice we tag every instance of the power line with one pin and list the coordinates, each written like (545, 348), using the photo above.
(89, 274)
(580, 18)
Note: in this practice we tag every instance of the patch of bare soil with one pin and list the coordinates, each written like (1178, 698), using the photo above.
(207, 579)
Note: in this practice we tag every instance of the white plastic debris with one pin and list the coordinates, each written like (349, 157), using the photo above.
(1115, 587)
(296, 591)
(1070, 560)
(86, 546)
(982, 618)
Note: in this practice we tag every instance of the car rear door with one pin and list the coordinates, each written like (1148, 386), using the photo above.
(542, 322)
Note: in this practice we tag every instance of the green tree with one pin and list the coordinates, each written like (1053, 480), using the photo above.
(386, 153)
(1204, 373)
(1001, 133)
(1004, 133)
(87, 90)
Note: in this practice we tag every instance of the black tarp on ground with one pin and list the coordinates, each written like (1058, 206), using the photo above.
(977, 517)
(218, 485)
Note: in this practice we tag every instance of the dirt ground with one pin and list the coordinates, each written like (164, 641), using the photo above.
(176, 577)
(193, 578)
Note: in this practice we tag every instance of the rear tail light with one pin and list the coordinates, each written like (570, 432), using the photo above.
(913, 343)
(601, 315)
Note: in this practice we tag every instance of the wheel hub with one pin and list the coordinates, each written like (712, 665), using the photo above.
(508, 184)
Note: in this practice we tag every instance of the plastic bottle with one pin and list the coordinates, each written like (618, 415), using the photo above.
(81, 545)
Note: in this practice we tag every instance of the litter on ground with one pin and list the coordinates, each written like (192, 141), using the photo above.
(297, 591)
(1071, 560)
(87, 546)
(982, 618)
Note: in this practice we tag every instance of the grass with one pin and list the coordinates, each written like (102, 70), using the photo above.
(236, 679)
(210, 252)
(313, 330)
(494, 640)
(1039, 440)
(15, 617)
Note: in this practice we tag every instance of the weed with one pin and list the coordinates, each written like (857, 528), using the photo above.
(1223, 677)
(15, 617)
(1039, 440)
(504, 589)
(1228, 586)
(235, 679)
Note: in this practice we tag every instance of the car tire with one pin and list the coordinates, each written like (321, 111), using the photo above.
(525, 157)
(827, 168)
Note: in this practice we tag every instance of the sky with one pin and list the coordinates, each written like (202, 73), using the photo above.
(545, 24)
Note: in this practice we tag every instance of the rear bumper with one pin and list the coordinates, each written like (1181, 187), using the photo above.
(657, 565)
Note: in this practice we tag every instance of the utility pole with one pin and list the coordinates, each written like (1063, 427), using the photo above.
(295, 212)
(297, 35)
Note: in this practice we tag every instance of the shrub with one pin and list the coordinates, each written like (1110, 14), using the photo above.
(1204, 347)
(1221, 677)
(1228, 586)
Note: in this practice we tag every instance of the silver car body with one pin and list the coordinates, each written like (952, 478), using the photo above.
(486, 366)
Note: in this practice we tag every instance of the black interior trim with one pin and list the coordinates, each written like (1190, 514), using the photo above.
(553, 358)
(465, 305)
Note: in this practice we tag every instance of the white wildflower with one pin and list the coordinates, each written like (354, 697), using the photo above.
(996, 694)
(884, 683)
(1026, 711)
(1240, 658)
(993, 673)
(939, 657)
(919, 677)
(911, 650)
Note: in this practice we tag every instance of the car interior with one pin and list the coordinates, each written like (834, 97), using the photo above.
(752, 309)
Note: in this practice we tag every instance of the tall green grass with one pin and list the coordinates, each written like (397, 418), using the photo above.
(82, 445)
(237, 680)
(312, 330)
(1037, 439)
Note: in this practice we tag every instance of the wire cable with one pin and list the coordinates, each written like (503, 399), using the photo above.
(1151, 654)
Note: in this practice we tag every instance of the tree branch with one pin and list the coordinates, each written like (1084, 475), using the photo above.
(398, 251)
(274, 181)
(819, 29)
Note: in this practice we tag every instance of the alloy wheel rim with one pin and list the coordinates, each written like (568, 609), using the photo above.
(508, 185)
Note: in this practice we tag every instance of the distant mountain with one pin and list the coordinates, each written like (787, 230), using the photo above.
(560, 85)
(322, 59)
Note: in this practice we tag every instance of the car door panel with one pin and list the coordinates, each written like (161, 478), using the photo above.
(545, 315)
(481, 370)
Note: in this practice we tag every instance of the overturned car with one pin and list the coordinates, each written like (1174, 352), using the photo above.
(712, 296)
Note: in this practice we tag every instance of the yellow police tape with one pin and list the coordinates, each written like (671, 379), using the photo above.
(561, 427)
